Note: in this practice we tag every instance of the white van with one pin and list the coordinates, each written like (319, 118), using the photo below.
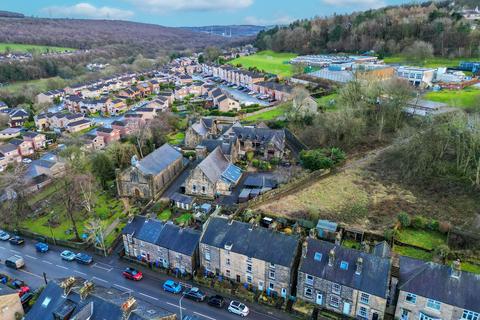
(15, 262)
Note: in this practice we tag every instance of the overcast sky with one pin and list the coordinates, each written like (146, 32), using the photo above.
(191, 12)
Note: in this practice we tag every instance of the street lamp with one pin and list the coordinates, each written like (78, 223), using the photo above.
(180, 305)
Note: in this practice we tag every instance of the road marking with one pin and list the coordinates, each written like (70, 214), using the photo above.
(121, 287)
(48, 262)
(31, 257)
(100, 279)
(175, 305)
(80, 272)
(263, 314)
(99, 267)
(57, 265)
(32, 274)
(202, 315)
(146, 295)
(14, 251)
(2, 247)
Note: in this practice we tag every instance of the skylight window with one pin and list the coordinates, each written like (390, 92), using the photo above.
(46, 301)
(318, 256)
(344, 265)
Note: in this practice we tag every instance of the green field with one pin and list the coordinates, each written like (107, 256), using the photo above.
(268, 61)
(39, 85)
(268, 115)
(468, 98)
(428, 63)
(19, 47)
(427, 240)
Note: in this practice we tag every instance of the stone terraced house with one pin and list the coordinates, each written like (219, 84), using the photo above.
(244, 253)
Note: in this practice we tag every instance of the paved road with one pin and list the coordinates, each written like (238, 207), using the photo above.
(107, 272)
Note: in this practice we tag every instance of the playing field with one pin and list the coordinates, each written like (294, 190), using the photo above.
(435, 62)
(268, 61)
(19, 47)
(468, 98)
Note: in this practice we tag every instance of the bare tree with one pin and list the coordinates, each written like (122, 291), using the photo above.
(12, 187)
(86, 187)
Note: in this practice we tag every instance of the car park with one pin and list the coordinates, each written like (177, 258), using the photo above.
(195, 294)
(41, 247)
(172, 286)
(132, 274)
(216, 301)
(15, 262)
(4, 236)
(17, 240)
(238, 308)
(68, 255)
(83, 258)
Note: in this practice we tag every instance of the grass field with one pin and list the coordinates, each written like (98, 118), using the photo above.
(176, 138)
(422, 238)
(329, 102)
(269, 61)
(268, 115)
(429, 63)
(468, 98)
(19, 47)
(39, 85)
(413, 253)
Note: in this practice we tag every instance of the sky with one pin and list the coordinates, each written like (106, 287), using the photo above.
(177, 13)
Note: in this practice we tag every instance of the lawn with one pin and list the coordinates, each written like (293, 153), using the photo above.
(413, 253)
(428, 63)
(268, 115)
(39, 85)
(20, 47)
(165, 215)
(422, 238)
(184, 218)
(268, 61)
(328, 102)
(468, 98)
(176, 138)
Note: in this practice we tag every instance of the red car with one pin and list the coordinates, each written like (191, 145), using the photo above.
(132, 274)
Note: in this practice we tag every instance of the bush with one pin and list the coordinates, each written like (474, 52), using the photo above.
(404, 219)
(389, 234)
(419, 222)
(433, 225)
(444, 227)
(442, 251)
(321, 158)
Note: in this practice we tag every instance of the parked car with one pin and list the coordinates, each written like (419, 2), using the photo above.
(4, 236)
(26, 160)
(172, 286)
(15, 262)
(238, 308)
(132, 274)
(41, 247)
(83, 258)
(17, 240)
(68, 255)
(216, 301)
(26, 298)
(195, 294)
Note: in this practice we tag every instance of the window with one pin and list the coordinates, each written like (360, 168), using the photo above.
(271, 274)
(227, 273)
(433, 304)
(334, 301)
(249, 267)
(411, 298)
(194, 188)
(271, 286)
(470, 315)
(363, 312)
(336, 288)
(309, 279)
(405, 314)
(272, 265)
(308, 292)
(203, 189)
(344, 265)
(364, 298)
(227, 262)
(318, 256)
(207, 255)
(249, 278)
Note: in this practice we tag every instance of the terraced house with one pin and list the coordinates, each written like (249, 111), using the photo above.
(244, 253)
(343, 280)
(430, 291)
(162, 244)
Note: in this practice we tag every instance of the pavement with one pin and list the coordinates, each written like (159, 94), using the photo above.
(107, 272)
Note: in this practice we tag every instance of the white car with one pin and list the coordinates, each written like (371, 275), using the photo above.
(238, 308)
(4, 236)
(26, 160)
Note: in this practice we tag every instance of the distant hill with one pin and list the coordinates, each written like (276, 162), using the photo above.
(90, 34)
(230, 31)
(8, 14)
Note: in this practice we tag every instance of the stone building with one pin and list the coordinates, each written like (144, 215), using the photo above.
(162, 244)
(205, 128)
(427, 290)
(214, 176)
(244, 253)
(343, 280)
(150, 176)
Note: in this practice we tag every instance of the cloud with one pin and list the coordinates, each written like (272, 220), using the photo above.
(358, 4)
(86, 10)
(280, 20)
(163, 6)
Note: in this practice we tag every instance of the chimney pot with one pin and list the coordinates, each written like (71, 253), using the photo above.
(331, 257)
(456, 268)
(359, 265)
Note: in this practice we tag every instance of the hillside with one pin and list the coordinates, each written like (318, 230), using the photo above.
(89, 34)
(234, 31)
(387, 31)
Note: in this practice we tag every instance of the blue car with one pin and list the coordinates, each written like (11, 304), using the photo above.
(41, 247)
(172, 286)
(83, 258)
(68, 255)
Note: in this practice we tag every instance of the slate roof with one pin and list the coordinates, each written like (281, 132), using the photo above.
(7, 148)
(434, 281)
(166, 235)
(373, 279)
(106, 304)
(258, 242)
(261, 135)
(31, 134)
(159, 160)
(276, 86)
(104, 129)
(16, 142)
(258, 181)
(78, 123)
(214, 165)
(182, 198)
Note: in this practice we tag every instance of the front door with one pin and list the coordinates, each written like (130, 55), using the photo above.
(375, 316)
(346, 308)
(238, 278)
(319, 298)
(260, 285)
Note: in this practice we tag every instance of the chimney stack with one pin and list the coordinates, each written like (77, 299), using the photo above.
(359, 265)
(304, 249)
(331, 257)
(456, 268)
